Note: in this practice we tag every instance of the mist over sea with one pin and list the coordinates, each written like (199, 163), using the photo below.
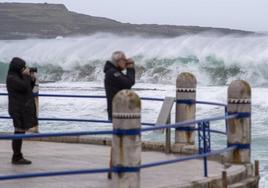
(75, 66)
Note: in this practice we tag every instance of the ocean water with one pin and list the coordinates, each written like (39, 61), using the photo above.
(74, 66)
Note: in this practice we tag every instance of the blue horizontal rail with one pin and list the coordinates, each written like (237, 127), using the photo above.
(66, 119)
(129, 132)
(58, 173)
(211, 103)
(192, 101)
(181, 159)
(176, 125)
(83, 96)
(42, 135)
(109, 122)
(187, 123)
(142, 98)
(104, 121)
(71, 96)
(76, 120)
(190, 129)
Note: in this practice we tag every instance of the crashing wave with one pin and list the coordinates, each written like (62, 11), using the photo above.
(215, 60)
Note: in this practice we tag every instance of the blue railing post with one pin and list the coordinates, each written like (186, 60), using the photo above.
(204, 142)
(126, 149)
(239, 129)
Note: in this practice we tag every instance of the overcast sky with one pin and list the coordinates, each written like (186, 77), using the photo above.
(236, 14)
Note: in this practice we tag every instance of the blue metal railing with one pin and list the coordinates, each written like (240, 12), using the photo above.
(190, 101)
(203, 128)
(127, 132)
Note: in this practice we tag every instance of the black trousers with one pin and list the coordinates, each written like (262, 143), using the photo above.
(16, 146)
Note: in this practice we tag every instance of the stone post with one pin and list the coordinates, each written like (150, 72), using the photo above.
(239, 129)
(126, 148)
(185, 107)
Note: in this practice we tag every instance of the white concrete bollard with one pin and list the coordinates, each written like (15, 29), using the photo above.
(239, 129)
(185, 110)
(126, 149)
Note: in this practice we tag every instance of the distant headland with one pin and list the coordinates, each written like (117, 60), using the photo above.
(29, 20)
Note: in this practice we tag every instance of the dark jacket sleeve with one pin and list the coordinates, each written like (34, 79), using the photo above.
(122, 81)
(17, 84)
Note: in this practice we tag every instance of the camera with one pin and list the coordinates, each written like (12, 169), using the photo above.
(33, 69)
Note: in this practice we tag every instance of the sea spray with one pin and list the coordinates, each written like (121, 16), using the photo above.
(215, 60)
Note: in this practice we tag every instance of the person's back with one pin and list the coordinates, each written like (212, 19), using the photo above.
(115, 80)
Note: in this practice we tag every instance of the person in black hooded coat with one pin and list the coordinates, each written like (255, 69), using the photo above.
(21, 105)
(115, 80)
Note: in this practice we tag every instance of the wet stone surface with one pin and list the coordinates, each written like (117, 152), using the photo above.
(47, 156)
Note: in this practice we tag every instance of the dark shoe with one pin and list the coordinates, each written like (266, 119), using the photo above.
(109, 175)
(21, 161)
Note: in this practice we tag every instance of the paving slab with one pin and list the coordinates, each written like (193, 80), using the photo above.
(49, 156)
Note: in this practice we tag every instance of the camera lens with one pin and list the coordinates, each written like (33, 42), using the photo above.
(33, 69)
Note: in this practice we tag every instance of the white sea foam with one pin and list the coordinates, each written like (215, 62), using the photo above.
(213, 59)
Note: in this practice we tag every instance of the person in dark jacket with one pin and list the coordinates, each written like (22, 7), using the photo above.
(115, 80)
(21, 106)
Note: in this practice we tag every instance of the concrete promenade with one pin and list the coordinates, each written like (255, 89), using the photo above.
(48, 156)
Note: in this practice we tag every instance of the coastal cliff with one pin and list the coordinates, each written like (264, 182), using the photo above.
(29, 20)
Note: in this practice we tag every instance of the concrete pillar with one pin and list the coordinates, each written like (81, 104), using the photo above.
(126, 149)
(185, 109)
(239, 129)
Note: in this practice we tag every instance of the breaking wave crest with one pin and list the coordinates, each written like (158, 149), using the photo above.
(215, 60)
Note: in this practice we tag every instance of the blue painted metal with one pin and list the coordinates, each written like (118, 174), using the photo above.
(58, 173)
(187, 129)
(77, 120)
(109, 122)
(66, 119)
(187, 123)
(130, 132)
(203, 137)
(151, 99)
(239, 146)
(199, 133)
(211, 103)
(84, 96)
(226, 122)
(192, 101)
(181, 124)
(39, 135)
(241, 114)
(181, 159)
(5, 117)
(204, 142)
(185, 101)
(72, 96)
(122, 169)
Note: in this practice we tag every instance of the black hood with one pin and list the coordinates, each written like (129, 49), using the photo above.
(16, 65)
(109, 65)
